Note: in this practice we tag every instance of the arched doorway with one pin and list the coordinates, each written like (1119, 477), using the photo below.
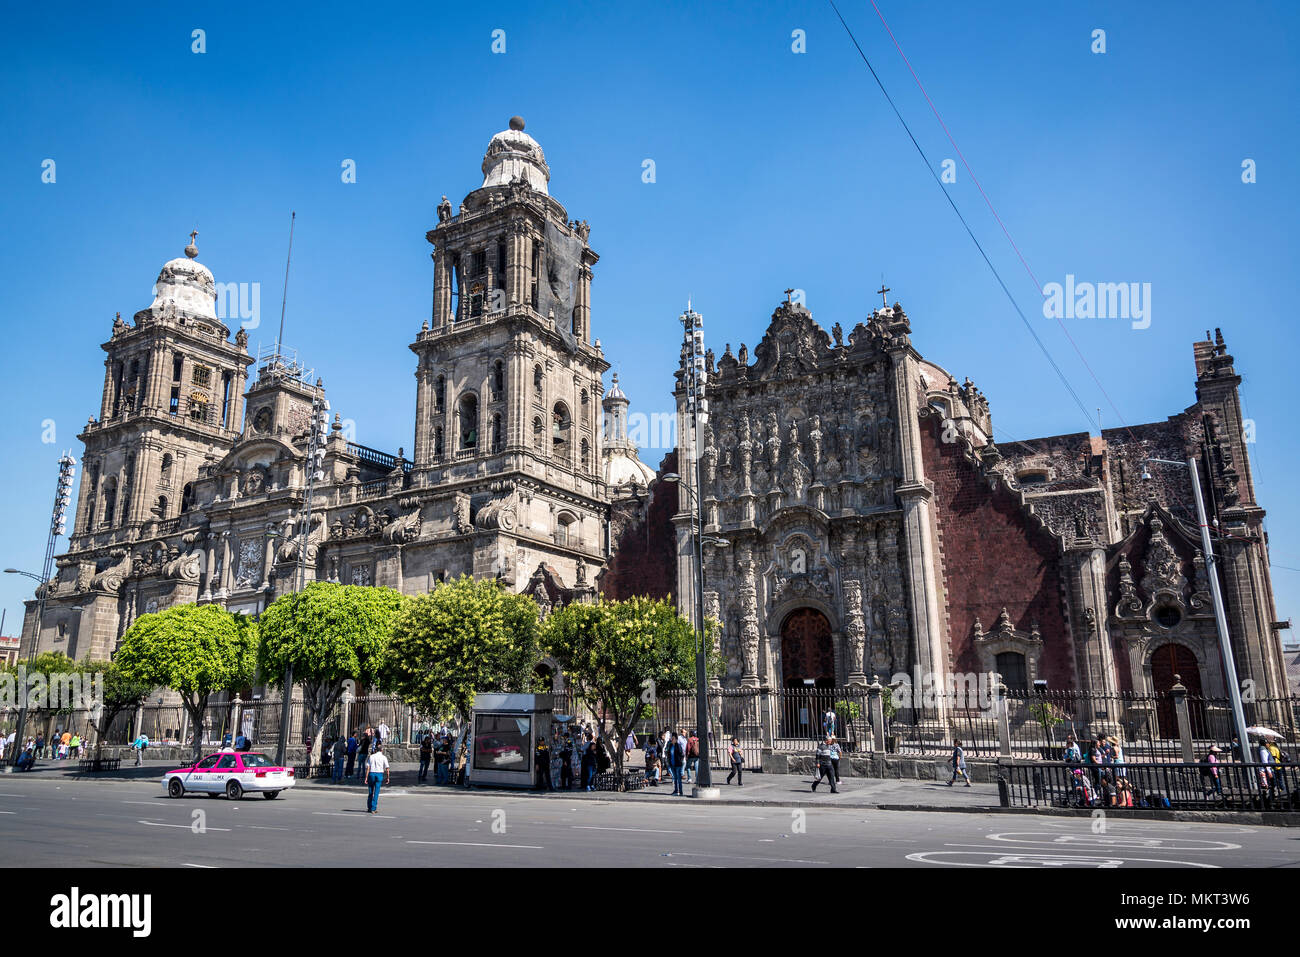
(807, 672)
(1167, 661)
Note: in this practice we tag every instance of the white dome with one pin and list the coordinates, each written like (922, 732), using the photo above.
(189, 285)
(513, 155)
(622, 467)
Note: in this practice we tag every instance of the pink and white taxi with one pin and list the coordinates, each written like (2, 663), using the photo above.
(231, 773)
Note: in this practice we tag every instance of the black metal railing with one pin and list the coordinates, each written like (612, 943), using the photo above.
(1167, 785)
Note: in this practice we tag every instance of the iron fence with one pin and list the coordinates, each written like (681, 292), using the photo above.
(1172, 785)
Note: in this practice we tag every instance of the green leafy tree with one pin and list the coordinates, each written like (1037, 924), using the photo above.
(39, 673)
(619, 655)
(196, 650)
(330, 633)
(463, 637)
(120, 693)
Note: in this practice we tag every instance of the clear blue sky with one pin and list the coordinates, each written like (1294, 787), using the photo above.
(774, 169)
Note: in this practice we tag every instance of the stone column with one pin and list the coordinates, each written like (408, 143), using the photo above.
(915, 494)
(855, 631)
(1096, 658)
(269, 559)
(1179, 692)
(209, 565)
(424, 383)
(875, 701)
(1003, 718)
(347, 712)
(234, 718)
(749, 633)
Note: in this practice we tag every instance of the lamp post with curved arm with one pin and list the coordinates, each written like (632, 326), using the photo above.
(58, 526)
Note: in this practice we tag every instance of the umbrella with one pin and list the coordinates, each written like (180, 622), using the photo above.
(1261, 732)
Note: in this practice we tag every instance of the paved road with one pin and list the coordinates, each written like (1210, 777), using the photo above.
(58, 823)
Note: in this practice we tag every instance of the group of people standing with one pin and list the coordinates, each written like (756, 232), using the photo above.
(350, 757)
(572, 755)
(60, 747)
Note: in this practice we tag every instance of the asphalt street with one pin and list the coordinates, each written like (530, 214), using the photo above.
(59, 823)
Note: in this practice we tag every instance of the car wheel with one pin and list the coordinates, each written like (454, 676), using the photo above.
(270, 795)
(234, 791)
(175, 788)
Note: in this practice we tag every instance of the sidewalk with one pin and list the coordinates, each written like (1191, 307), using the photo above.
(782, 790)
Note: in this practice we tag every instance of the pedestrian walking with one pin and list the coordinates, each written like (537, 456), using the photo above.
(835, 758)
(693, 757)
(75, 746)
(1210, 782)
(958, 762)
(676, 760)
(426, 755)
(376, 777)
(828, 722)
(825, 769)
(737, 763)
(140, 743)
(352, 746)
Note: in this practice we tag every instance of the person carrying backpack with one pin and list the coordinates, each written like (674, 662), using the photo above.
(693, 757)
(141, 742)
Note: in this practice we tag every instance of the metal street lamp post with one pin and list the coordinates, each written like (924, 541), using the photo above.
(315, 467)
(58, 526)
(1220, 619)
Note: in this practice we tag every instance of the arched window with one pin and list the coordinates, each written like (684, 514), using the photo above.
(565, 532)
(560, 423)
(537, 379)
(469, 421)
(187, 497)
(110, 501)
(440, 394)
(166, 467)
(497, 443)
(1011, 666)
(537, 435)
(498, 380)
(586, 456)
(161, 507)
(585, 399)
(438, 444)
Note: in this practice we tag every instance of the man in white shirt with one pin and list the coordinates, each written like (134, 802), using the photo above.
(375, 778)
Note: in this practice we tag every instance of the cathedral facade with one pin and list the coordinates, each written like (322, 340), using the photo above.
(858, 517)
(195, 483)
(859, 520)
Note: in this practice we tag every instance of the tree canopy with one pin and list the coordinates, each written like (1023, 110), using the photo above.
(329, 633)
(195, 650)
(618, 655)
(464, 637)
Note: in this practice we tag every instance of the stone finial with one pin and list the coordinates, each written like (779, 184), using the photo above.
(517, 123)
(192, 250)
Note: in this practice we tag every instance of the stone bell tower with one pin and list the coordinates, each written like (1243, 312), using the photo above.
(508, 380)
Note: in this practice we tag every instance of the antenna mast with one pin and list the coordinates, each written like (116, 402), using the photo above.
(279, 339)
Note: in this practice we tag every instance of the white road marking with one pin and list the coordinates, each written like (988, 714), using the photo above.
(775, 860)
(642, 830)
(527, 847)
(186, 827)
(389, 817)
(8, 812)
(1010, 857)
(206, 867)
(1116, 841)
